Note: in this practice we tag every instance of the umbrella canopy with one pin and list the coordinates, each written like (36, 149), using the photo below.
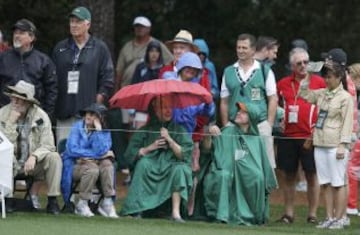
(138, 96)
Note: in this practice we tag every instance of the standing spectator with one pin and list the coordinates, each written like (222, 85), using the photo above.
(299, 43)
(88, 159)
(296, 43)
(299, 119)
(85, 71)
(339, 56)
(332, 138)
(24, 62)
(204, 53)
(133, 52)
(147, 70)
(248, 81)
(28, 128)
(3, 43)
(266, 50)
(130, 55)
(354, 161)
(182, 42)
(301, 185)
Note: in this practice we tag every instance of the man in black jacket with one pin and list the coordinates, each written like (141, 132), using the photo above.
(84, 69)
(24, 62)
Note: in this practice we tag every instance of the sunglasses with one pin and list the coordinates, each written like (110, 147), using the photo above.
(303, 62)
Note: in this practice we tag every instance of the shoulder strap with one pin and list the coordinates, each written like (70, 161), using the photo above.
(264, 74)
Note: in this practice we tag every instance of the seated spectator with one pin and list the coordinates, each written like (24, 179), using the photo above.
(88, 159)
(161, 164)
(28, 127)
(240, 177)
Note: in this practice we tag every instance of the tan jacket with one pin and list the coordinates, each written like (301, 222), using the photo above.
(41, 139)
(338, 124)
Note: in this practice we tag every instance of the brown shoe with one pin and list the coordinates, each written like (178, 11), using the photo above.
(286, 219)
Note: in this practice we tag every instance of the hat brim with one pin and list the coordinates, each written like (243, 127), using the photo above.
(241, 106)
(142, 24)
(21, 27)
(170, 45)
(90, 110)
(77, 16)
(34, 101)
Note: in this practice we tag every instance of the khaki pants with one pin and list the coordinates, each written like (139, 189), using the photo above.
(88, 172)
(49, 169)
(265, 132)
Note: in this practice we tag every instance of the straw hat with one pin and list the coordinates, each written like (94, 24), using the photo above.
(23, 90)
(183, 36)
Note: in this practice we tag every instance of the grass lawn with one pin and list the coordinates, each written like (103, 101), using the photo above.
(67, 224)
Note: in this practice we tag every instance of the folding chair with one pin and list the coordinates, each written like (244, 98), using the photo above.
(2, 199)
(97, 196)
(29, 180)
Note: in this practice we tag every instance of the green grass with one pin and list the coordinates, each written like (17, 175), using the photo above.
(68, 224)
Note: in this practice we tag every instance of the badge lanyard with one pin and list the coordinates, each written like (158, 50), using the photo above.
(74, 75)
(322, 115)
(293, 109)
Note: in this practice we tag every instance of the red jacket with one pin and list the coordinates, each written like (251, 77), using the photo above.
(287, 89)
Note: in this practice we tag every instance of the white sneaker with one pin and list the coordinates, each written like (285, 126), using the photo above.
(107, 210)
(352, 211)
(345, 221)
(336, 224)
(35, 201)
(301, 186)
(82, 209)
(326, 223)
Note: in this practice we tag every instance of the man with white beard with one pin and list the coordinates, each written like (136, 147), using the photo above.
(24, 62)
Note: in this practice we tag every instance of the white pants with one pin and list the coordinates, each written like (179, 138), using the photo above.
(329, 169)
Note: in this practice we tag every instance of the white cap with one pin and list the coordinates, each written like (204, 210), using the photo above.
(142, 20)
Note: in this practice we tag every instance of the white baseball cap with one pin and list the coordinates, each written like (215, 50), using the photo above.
(142, 20)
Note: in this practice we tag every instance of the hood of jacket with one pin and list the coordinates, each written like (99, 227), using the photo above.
(203, 46)
(189, 59)
(254, 116)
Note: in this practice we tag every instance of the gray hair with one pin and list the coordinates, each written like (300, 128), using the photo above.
(297, 50)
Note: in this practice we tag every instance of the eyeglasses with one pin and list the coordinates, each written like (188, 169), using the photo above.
(304, 62)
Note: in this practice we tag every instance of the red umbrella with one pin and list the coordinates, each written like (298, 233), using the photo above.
(138, 96)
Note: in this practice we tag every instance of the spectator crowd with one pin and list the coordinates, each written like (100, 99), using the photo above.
(217, 160)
